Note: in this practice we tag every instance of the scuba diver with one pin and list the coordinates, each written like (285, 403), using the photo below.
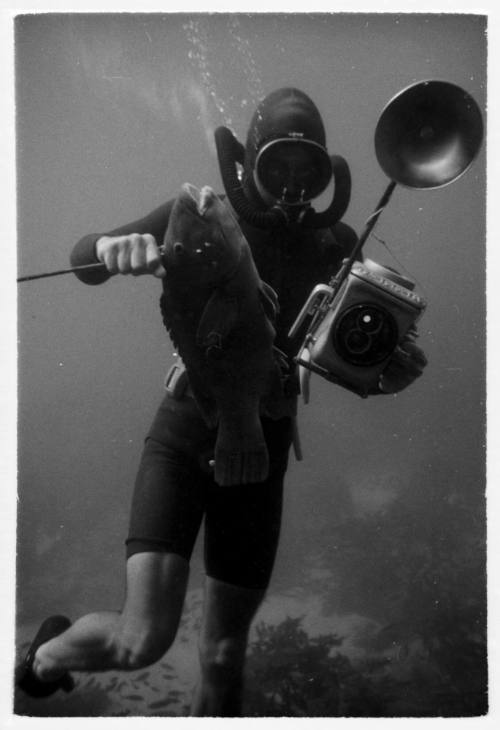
(270, 184)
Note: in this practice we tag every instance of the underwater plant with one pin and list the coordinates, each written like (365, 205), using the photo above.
(416, 570)
(291, 674)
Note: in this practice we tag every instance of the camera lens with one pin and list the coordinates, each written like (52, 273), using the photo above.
(364, 334)
(370, 321)
(357, 342)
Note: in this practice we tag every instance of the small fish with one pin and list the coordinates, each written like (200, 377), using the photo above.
(159, 703)
(220, 316)
(175, 693)
(136, 698)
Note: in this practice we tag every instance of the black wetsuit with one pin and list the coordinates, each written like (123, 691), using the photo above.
(174, 488)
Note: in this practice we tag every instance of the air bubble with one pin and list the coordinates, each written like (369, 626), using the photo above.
(210, 68)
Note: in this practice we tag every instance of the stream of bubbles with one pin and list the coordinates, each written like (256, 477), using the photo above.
(212, 67)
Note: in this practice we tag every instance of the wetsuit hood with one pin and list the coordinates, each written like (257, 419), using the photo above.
(284, 114)
(285, 119)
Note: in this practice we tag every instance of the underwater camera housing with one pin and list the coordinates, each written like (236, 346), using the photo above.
(427, 136)
(358, 329)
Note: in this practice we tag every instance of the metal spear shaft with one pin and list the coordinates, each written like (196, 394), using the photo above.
(85, 267)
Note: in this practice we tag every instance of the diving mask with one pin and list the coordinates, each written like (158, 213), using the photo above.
(291, 171)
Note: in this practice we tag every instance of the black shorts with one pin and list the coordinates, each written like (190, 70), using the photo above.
(175, 490)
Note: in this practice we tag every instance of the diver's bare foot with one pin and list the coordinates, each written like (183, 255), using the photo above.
(27, 675)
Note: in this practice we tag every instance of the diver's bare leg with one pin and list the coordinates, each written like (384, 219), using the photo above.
(228, 613)
(135, 637)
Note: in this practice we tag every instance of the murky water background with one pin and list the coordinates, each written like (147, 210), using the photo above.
(383, 536)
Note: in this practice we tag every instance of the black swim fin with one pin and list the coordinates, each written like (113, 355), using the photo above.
(26, 679)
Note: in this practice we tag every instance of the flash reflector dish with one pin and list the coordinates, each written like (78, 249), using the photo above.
(428, 134)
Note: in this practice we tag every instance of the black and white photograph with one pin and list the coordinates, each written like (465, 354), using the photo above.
(251, 268)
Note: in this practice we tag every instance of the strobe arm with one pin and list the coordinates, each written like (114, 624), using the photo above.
(316, 302)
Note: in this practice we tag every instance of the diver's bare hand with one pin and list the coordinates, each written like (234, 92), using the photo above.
(135, 254)
(406, 365)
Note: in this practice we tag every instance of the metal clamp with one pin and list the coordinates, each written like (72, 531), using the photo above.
(176, 381)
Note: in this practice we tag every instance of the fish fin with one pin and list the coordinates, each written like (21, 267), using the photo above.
(241, 455)
(218, 319)
(269, 301)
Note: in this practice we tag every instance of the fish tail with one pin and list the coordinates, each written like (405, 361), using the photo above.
(241, 455)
